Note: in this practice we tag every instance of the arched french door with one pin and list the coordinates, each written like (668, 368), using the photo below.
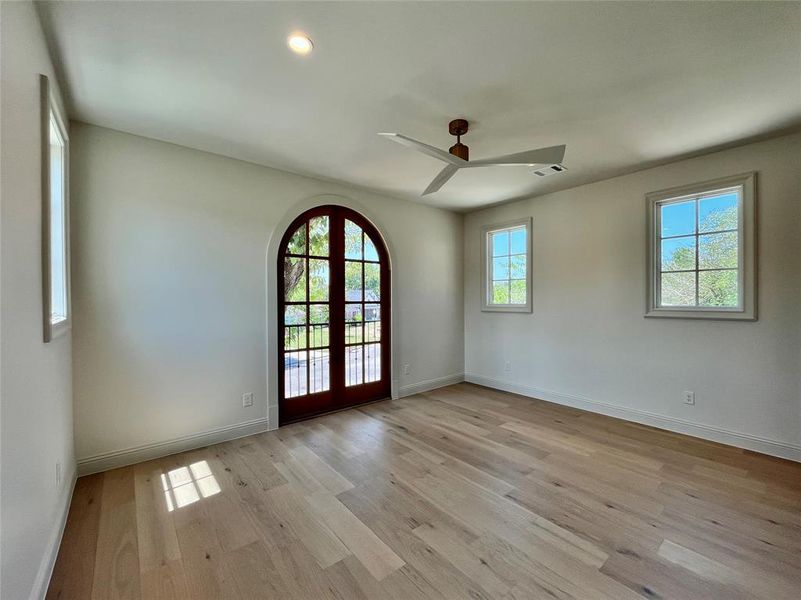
(333, 313)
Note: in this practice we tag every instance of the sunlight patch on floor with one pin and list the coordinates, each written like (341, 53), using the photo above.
(186, 485)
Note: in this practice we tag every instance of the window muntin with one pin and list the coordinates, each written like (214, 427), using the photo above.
(507, 256)
(702, 250)
(698, 250)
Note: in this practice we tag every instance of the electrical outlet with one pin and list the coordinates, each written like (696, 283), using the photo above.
(405, 369)
(507, 367)
(247, 399)
(58, 474)
(689, 397)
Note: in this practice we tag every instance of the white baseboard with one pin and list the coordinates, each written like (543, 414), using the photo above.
(45, 572)
(429, 384)
(137, 454)
(706, 432)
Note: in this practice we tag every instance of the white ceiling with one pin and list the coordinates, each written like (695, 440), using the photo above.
(622, 84)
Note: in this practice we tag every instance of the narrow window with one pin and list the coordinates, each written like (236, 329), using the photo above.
(701, 250)
(506, 250)
(55, 218)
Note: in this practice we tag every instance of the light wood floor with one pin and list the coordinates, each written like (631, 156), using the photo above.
(462, 492)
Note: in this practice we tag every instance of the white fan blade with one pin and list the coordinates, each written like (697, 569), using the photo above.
(540, 156)
(426, 149)
(443, 176)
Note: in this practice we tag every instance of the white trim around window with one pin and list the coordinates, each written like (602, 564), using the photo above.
(56, 308)
(691, 197)
(514, 301)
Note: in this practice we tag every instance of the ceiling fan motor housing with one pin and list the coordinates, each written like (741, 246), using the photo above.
(458, 127)
(460, 150)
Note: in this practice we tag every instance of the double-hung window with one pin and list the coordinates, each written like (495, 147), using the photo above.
(701, 250)
(55, 218)
(506, 273)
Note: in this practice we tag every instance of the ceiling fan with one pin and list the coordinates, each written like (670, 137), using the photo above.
(548, 160)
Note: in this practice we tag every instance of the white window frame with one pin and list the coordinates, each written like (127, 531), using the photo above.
(486, 266)
(746, 265)
(49, 111)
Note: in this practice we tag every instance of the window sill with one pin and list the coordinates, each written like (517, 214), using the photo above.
(59, 328)
(510, 308)
(695, 313)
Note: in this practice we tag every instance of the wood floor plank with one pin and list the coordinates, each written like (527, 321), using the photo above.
(156, 538)
(461, 492)
(234, 528)
(374, 554)
(300, 573)
(73, 574)
(315, 535)
(461, 556)
(252, 490)
(165, 582)
(330, 479)
(254, 572)
(207, 575)
(116, 572)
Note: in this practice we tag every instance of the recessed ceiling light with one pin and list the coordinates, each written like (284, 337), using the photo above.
(299, 43)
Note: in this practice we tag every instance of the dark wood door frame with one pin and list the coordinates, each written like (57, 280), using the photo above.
(338, 396)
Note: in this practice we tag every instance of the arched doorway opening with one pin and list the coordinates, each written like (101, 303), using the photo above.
(333, 313)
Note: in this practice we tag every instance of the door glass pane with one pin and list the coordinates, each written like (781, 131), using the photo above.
(295, 328)
(318, 280)
(353, 333)
(295, 371)
(718, 212)
(678, 218)
(353, 240)
(318, 313)
(318, 336)
(294, 315)
(370, 252)
(318, 236)
(354, 356)
(372, 312)
(678, 289)
(717, 250)
(372, 322)
(354, 324)
(297, 243)
(372, 362)
(678, 254)
(295, 279)
(319, 376)
(294, 337)
(372, 282)
(353, 281)
(372, 331)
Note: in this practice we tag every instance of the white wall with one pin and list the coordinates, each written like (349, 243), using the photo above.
(169, 277)
(35, 378)
(587, 343)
